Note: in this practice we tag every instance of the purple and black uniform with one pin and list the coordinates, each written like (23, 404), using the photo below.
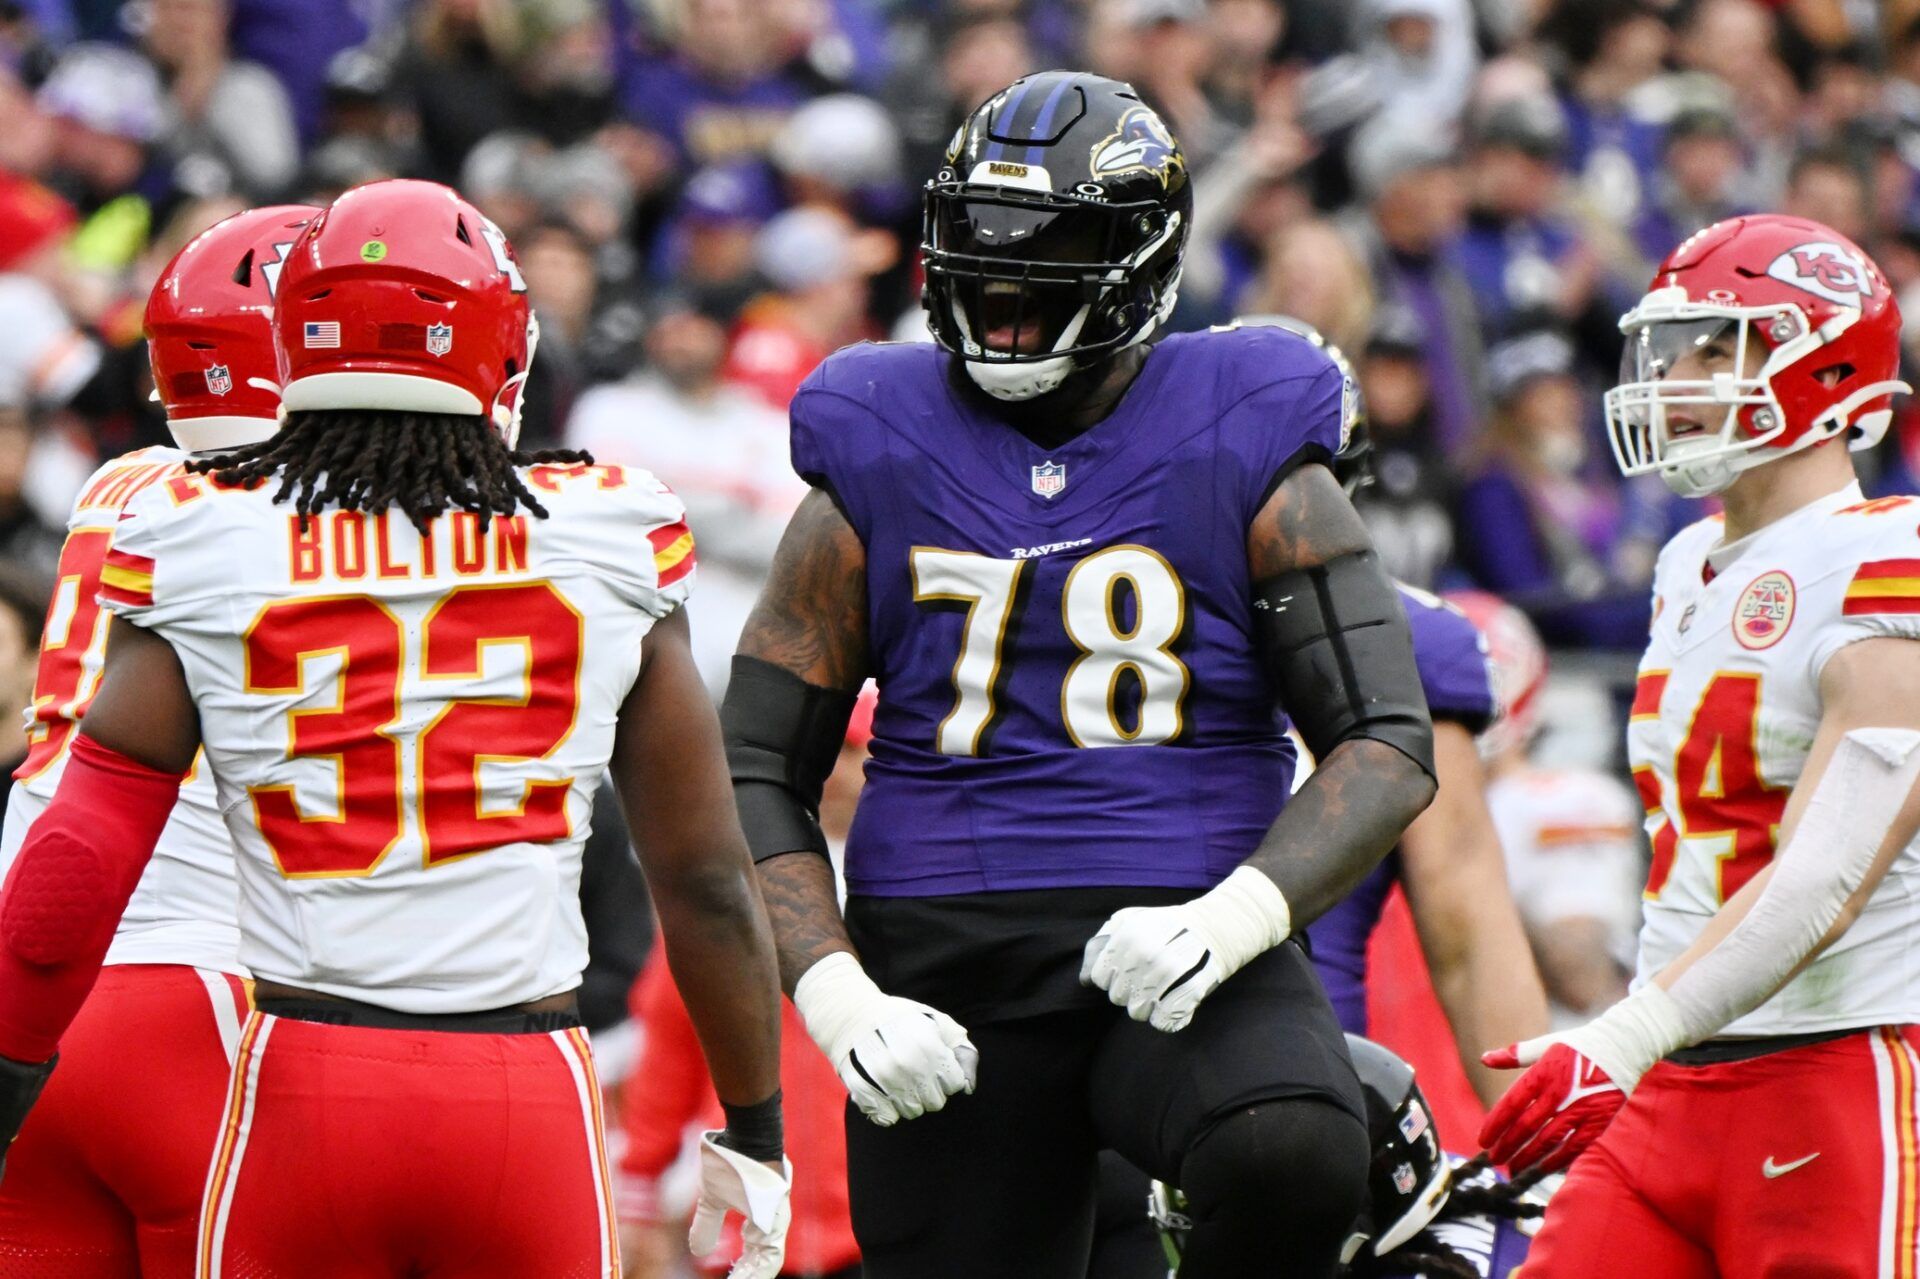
(1074, 718)
(1147, 518)
(1452, 657)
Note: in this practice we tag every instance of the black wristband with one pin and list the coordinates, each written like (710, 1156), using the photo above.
(756, 1131)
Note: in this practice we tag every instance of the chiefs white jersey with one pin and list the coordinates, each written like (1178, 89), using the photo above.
(1573, 851)
(406, 731)
(182, 911)
(1724, 713)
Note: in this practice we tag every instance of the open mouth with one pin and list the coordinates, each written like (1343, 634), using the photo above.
(1008, 322)
(1683, 425)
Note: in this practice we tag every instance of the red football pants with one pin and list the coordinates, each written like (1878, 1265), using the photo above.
(1799, 1163)
(106, 1179)
(356, 1153)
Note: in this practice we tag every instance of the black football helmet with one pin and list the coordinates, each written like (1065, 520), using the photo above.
(1053, 234)
(1407, 1180)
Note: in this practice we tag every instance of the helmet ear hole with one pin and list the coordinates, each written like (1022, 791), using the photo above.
(1834, 374)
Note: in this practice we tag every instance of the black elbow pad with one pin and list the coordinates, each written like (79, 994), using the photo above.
(783, 738)
(1339, 649)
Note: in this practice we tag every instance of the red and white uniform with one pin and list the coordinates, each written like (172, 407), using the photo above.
(1572, 853)
(406, 733)
(108, 1171)
(1710, 1169)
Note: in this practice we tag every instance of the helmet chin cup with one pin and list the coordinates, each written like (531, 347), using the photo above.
(1025, 381)
(1703, 476)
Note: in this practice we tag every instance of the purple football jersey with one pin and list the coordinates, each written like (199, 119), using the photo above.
(1070, 693)
(1452, 657)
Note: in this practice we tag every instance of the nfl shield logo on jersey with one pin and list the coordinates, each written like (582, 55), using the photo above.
(1049, 478)
(219, 380)
(439, 339)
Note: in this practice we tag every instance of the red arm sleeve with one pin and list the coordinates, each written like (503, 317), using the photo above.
(67, 889)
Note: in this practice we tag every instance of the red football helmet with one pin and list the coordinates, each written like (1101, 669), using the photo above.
(1791, 336)
(1519, 663)
(404, 296)
(210, 329)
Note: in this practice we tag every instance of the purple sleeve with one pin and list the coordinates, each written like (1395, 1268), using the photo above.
(1293, 412)
(831, 436)
(1452, 657)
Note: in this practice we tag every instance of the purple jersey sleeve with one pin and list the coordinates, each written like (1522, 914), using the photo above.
(1452, 657)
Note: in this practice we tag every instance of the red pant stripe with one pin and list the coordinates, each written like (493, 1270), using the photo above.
(224, 1173)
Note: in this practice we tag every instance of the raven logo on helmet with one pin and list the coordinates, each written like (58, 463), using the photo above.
(1141, 144)
(1831, 270)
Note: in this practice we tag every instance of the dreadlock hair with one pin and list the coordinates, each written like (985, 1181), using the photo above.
(1432, 1258)
(369, 460)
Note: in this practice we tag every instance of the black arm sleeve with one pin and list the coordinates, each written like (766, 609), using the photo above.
(783, 737)
(1341, 654)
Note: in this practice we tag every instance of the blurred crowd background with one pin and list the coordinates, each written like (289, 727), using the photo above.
(709, 196)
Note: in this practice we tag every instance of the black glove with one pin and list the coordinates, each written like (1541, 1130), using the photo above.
(20, 1085)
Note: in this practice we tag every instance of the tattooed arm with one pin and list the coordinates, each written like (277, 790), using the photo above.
(1364, 793)
(1333, 630)
(811, 623)
(802, 656)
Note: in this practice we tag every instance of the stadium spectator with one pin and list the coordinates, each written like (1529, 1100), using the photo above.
(1521, 256)
(1826, 185)
(1534, 525)
(716, 93)
(1697, 182)
(819, 264)
(726, 454)
(1415, 204)
(229, 124)
(1406, 506)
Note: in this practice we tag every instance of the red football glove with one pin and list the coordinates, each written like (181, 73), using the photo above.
(1552, 1113)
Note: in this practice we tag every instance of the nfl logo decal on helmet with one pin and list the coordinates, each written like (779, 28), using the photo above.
(439, 338)
(1049, 478)
(219, 380)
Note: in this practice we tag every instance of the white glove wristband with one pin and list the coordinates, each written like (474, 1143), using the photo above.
(1629, 1037)
(836, 1000)
(1244, 915)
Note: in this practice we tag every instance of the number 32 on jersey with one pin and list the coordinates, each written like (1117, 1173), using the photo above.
(1092, 708)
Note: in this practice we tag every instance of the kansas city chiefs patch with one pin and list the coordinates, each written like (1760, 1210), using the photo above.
(1829, 270)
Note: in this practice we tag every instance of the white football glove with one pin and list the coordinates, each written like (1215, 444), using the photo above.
(1159, 962)
(732, 1182)
(899, 1059)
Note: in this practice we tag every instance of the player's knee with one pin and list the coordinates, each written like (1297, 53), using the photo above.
(1294, 1164)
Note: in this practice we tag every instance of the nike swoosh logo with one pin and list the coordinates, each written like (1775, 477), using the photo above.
(1770, 1169)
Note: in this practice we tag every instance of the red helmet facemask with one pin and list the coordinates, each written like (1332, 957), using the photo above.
(403, 296)
(209, 329)
(1760, 336)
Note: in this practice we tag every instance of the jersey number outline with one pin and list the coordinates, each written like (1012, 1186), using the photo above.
(65, 681)
(356, 730)
(1718, 788)
(993, 594)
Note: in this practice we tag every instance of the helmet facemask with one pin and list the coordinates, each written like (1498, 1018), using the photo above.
(1702, 430)
(1027, 287)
